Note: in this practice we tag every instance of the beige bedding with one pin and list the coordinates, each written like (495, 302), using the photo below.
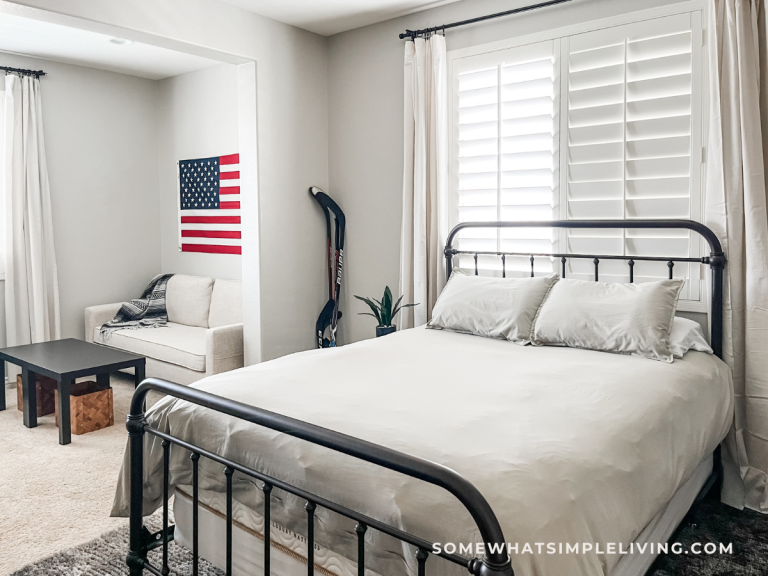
(567, 445)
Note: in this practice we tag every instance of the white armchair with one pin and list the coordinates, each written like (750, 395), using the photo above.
(204, 335)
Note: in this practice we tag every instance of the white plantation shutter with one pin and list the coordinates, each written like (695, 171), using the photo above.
(504, 150)
(633, 143)
(601, 125)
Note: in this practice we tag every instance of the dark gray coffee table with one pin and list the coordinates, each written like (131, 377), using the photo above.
(64, 360)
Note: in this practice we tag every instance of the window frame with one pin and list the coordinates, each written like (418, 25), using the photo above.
(697, 9)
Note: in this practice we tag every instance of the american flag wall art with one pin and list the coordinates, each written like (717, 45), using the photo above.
(209, 205)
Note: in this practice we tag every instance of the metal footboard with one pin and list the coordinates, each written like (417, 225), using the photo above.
(495, 563)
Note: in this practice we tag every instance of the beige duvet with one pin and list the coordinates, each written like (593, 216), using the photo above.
(567, 445)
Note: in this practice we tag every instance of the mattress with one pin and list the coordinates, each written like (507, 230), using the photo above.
(567, 445)
(289, 550)
(288, 555)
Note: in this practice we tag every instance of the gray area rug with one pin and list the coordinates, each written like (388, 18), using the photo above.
(105, 556)
(711, 521)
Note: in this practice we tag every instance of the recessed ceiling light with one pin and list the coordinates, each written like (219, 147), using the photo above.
(121, 41)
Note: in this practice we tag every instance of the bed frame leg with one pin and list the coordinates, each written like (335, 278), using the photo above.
(717, 468)
(137, 554)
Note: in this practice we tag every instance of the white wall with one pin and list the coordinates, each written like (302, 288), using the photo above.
(102, 164)
(365, 83)
(196, 118)
(292, 94)
(352, 81)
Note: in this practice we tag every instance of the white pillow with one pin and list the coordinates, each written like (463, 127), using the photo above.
(491, 307)
(626, 318)
(687, 335)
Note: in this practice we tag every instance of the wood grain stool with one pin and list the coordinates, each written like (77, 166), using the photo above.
(91, 407)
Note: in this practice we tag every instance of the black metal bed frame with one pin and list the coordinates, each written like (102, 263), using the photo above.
(496, 561)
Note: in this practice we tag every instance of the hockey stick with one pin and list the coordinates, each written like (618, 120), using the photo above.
(330, 314)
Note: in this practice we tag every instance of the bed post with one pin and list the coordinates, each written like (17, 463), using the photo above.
(137, 554)
(716, 265)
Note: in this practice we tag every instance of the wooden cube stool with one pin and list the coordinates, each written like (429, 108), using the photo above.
(46, 395)
(91, 407)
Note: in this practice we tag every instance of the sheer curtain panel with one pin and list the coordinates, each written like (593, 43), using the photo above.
(736, 210)
(31, 281)
(425, 178)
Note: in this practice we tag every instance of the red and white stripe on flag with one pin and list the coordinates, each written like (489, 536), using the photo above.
(216, 230)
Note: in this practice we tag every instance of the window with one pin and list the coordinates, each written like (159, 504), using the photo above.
(602, 124)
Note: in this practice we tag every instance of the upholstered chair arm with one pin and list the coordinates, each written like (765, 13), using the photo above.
(97, 315)
(223, 349)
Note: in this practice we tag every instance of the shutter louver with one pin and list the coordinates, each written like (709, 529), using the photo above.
(506, 152)
(629, 106)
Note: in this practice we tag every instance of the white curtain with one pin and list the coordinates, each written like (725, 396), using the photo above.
(425, 178)
(736, 210)
(31, 281)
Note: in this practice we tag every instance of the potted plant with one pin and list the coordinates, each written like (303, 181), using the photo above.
(384, 311)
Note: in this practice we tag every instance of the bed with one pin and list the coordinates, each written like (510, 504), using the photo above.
(458, 439)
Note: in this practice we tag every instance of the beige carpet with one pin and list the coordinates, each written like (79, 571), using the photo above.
(54, 497)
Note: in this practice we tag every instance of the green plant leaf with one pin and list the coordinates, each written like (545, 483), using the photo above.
(367, 301)
(371, 315)
(373, 307)
(383, 310)
(401, 307)
(396, 308)
(386, 307)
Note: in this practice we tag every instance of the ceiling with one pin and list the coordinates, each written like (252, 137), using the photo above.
(327, 17)
(85, 48)
(61, 43)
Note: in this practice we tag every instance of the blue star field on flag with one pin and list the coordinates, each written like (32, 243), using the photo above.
(199, 181)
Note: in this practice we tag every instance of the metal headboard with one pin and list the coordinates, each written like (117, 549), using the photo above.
(715, 260)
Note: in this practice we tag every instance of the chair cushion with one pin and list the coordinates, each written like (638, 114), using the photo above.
(226, 303)
(175, 343)
(188, 299)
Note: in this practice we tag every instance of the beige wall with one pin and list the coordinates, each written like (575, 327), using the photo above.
(292, 100)
(102, 164)
(196, 118)
(365, 84)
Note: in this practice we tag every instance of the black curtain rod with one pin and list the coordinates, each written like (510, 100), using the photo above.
(35, 73)
(412, 34)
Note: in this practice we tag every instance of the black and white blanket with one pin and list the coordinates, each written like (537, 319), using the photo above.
(148, 311)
